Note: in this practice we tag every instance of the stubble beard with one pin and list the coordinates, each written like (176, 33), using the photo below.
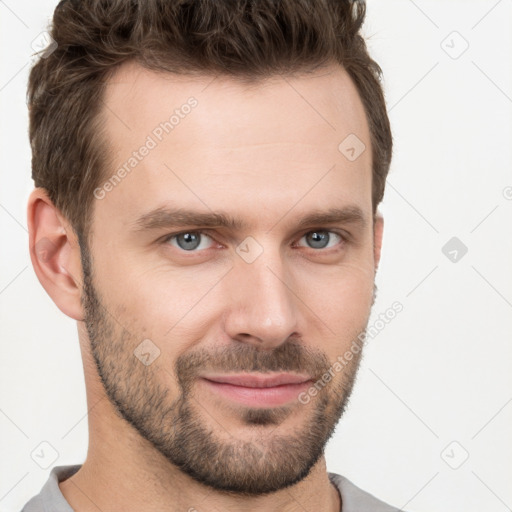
(270, 460)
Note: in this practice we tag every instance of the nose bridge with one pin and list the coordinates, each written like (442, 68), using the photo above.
(262, 305)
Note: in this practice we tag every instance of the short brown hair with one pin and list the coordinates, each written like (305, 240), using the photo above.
(244, 39)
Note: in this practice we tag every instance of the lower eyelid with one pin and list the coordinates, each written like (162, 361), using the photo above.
(173, 236)
(343, 239)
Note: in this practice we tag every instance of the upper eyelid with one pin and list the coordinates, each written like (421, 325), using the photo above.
(345, 236)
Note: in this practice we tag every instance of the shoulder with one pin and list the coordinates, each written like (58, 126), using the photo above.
(50, 498)
(35, 504)
(355, 499)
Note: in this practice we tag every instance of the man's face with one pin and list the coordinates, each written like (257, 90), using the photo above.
(206, 336)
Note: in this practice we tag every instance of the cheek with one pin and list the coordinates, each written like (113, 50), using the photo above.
(173, 308)
(340, 296)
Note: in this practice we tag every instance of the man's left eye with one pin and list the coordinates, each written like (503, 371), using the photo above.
(191, 240)
(320, 238)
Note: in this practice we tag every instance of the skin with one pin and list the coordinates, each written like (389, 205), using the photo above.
(267, 153)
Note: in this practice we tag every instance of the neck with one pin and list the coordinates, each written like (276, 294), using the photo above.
(124, 471)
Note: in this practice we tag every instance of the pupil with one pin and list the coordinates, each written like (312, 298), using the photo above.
(189, 238)
(318, 237)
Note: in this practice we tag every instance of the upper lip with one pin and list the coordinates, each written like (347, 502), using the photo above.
(252, 380)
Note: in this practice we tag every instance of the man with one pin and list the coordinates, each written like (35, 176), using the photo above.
(207, 180)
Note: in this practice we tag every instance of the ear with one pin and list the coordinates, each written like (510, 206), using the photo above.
(55, 253)
(378, 228)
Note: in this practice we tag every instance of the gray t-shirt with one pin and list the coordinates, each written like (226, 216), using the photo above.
(50, 499)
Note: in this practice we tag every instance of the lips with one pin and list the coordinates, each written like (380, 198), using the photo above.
(258, 390)
(258, 381)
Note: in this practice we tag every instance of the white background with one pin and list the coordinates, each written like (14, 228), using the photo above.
(438, 375)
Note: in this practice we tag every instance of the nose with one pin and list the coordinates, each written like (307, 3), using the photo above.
(261, 305)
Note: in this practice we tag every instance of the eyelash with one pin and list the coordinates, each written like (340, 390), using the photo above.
(344, 239)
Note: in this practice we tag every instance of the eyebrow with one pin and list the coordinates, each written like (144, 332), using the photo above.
(167, 217)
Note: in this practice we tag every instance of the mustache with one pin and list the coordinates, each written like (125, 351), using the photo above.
(291, 356)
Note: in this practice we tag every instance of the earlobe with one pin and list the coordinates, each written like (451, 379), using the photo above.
(378, 228)
(55, 253)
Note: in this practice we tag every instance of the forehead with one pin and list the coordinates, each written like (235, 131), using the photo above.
(136, 98)
(211, 142)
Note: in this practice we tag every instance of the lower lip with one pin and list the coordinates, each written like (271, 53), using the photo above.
(258, 397)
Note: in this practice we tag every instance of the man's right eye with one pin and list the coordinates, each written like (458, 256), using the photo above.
(187, 241)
